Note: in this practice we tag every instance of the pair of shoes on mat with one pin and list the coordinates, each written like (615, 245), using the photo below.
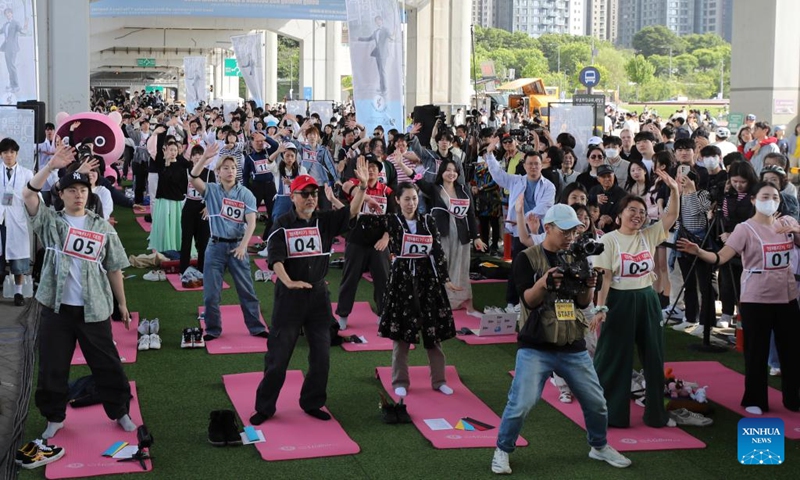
(393, 413)
(148, 327)
(37, 453)
(155, 276)
(685, 417)
(149, 342)
(223, 429)
(263, 275)
(192, 338)
(192, 278)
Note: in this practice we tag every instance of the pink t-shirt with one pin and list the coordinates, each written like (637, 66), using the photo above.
(768, 276)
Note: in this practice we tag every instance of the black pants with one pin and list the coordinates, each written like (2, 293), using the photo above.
(729, 287)
(193, 227)
(759, 320)
(309, 309)
(357, 259)
(701, 275)
(494, 224)
(11, 64)
(57, 335)
(265, 193)
(139, 182)
(512, 296)
(127, 156)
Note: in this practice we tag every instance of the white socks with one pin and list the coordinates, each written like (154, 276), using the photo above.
(342, 323)
(754, 410)
(52, 429)
(400, 392)
(17, 289)
(445, 389)
(126, 423)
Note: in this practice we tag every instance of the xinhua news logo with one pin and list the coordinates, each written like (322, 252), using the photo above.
(761, 441)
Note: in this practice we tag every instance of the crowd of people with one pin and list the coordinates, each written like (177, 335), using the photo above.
(687, 212)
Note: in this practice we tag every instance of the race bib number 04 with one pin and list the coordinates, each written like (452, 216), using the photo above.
(416, 246)
(459, 207)
(84, 244)
(303, 242)
(232, 210)
(777, 255)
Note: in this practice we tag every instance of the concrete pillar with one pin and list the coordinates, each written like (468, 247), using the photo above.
(270, 67)
(765, 67)
(312, 62)
(333, 61)
(64, 55)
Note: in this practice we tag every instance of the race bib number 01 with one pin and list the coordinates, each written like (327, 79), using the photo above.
(84, 244)
(303, 242)
(458, 207)
(635, 266)
(416, 246)
(261, 166)
(777, 255)
(232, 210)
(370, 209)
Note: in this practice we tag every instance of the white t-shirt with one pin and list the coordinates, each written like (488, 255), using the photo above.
(105, 200)
(73, 287)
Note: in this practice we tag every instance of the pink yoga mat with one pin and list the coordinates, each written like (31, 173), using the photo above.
(261, 264)
(87, 433)
(638, 437)
(145, 226)
(425, 403)
(235, 337)
(463, 320)
(174, 279)
(365, 323)
(726, 387)
(291, 434)
(127, 342)
(339, 247)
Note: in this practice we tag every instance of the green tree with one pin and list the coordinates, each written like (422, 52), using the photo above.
(661, 63)
(611, 63)
(639, 71)
(657, 40)
(535, 63)
(288, 65)
(708, 58)
(684, 64)
(706, 40)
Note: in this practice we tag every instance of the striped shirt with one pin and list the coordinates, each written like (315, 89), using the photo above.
(694, 209)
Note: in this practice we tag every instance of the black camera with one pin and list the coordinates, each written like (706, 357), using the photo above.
(576, 270)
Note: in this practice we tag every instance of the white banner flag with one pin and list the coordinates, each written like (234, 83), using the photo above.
(249, 53)
(18, 78)
(194, 70)
(376, 46)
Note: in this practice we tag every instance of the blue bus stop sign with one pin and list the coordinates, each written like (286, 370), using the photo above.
(589, 77)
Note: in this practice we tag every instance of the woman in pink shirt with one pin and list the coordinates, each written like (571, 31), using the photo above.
(768, 296)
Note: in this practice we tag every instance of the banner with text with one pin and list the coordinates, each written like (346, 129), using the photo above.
(376, 46)
(287, 9)
(194, 73)
(249, 51)
(18, 79)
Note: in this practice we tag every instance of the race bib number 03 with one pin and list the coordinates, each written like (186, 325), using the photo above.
(261, 166)
(232, 210)
(84, 244)
(635, 266)
(371, 209)
(777, 255)
(416, 246)
(458, 207)
(303, 242)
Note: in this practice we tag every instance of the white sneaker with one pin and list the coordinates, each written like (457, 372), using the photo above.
(263, 253)
(154, 326)
(565, 397)
(698, 331)
(162, 277)
(445, 389)
(144, 343)
(683, 416)
(610, 456)
(400, 392)
(500, 462)
(144, 327)
(151, 276)
(155, 342)
(681, 327)
(259, 276)
(268, 275)
(724, 321)
(676, 314)
(774, 372)
(516, 308)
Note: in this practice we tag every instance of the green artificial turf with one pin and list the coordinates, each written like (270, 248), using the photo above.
(178, 388)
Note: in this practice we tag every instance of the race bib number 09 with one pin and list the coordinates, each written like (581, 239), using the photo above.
(777, 255)
(232, 210)
(84, 244)
(458, 207)
(635, 266)
(303, 242)
(416, 246)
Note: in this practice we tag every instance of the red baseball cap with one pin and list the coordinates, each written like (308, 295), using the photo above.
(302, 182)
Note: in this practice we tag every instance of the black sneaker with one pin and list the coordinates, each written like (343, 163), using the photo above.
(25, 451)
(230, 428)
(198, 339)
(41, 455)
(19, 300)
(187, 338)
(216, 431)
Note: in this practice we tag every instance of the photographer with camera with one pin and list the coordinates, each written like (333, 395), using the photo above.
(552, 339)
(629, 311)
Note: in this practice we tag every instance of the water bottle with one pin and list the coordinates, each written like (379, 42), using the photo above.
(27, 286)
(8, 287)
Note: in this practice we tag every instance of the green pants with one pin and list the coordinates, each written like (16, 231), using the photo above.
(634, 317)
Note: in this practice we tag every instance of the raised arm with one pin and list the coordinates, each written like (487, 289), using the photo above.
(670, 215)
(64, 156)
(198, 183)
(363, 177)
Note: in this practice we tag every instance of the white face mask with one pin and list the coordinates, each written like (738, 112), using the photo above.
(711, 163)
(767, 207)
(611, 152)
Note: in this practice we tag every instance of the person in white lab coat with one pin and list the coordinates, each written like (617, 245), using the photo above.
(15, 250)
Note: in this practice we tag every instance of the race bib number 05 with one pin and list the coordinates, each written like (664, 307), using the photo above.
(458, 207)
(303, 242)
(232, 210)
(84, 244)
(416, 246)
(777, 255)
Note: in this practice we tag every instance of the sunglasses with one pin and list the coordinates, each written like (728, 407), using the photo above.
(305, 195)
(596, 157)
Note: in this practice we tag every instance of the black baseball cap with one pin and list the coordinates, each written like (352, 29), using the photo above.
(371, 158)
(71, 179)
(604, 170)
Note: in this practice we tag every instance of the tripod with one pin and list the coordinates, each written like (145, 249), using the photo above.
(714, 227)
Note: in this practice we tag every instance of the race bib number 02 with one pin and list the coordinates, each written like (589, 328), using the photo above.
(303, 242)
(777, 255)
(635, 266)
(84, 244)
(416, 246)
(261, 166)
(232, 210)
(458, 207)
